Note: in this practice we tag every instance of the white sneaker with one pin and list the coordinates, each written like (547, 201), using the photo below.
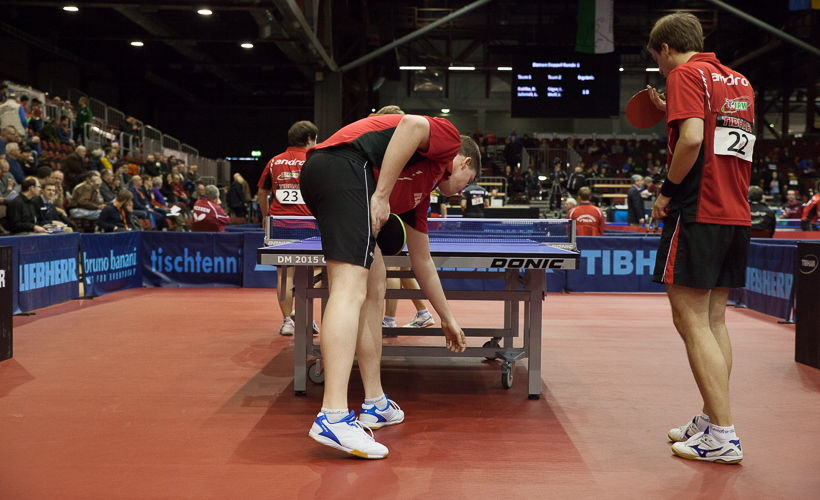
(387, 324)
(315, 328)
(702, 446)
(287, 328)
(376, 418)
(420, 321)
(684, 432)
(347, 435)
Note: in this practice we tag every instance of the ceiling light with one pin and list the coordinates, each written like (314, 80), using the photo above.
(652, 70)
(413, 68)
(505, 68)
(70, 8)
(137, 44)
(445, 110)
(462, 68)
(620, 69)
(247, 45)
(204, 12)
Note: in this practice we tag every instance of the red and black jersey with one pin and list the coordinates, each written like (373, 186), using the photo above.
(715, 190)
(370, 136)
(207, 210)
(812, 209)
(792, 211)
(281, 177)
(589, 220)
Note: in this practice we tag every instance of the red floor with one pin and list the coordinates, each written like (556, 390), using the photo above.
(188, 393)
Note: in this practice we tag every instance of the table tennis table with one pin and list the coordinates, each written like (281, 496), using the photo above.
(517, 251)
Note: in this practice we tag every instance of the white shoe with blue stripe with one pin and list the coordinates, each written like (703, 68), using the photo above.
(376, 419)
(421, 321)
(684, 432)
(703, 446)
(347, 435)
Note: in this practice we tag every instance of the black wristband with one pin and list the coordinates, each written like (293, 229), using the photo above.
(669, 188)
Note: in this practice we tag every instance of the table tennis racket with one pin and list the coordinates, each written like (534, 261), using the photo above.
(642, 112)
(392, 236)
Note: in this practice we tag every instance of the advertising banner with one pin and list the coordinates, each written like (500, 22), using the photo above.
(6, 306)
(47, 270)
(615, 264)
(256, 275)
(807, 327)
(175, 259)
(111, 262)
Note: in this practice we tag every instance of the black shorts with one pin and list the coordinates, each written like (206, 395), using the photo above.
(704, 256)
(337, 185)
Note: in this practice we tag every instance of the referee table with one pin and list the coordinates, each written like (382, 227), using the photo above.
(516, 251)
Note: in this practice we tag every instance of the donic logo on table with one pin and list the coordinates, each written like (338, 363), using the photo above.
(50, 273)
(193, 263)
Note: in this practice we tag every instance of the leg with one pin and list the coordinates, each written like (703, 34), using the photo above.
(412, 284)
(286, 305)
(717, 323)
(369, 341)
(690, 313)
(391, 305)
(347, 283)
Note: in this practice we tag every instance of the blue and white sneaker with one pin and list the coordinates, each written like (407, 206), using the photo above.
(684, 432)
(348, 435)
(702, 446)
(376, 418)
(421, 321)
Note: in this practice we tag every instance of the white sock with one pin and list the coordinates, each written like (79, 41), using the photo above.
(722, 434)
(390, 320)
(703, 421)
(334, 416)
(379, 401)
(423, 312)
(288, 320)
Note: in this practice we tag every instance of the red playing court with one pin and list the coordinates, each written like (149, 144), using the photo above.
(188, 393)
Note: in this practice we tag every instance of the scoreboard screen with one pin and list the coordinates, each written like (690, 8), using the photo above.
(565, 85)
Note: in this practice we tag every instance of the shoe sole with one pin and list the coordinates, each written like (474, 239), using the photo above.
(715, 460)
(379, 425)
(286, 334)
(353, 451)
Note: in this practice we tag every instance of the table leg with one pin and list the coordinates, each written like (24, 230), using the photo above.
(300, 284)
(536, 280)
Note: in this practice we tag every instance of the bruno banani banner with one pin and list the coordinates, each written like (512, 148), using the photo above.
(191, 259)
(111, 262)
(47, 270)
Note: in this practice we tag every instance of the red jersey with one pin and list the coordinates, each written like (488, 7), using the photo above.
(715, 190)
(812, 209)
(281, 176)
(370, 136)
(589, 220)
(206, 210)
(792, 211)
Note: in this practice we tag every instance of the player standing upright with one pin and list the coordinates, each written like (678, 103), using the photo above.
(705, 242)
(281, 176)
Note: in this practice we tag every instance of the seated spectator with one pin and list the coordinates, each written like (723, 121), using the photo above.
(792, 182)
(95, 161)
(142, 204)
(9, 188)
(35, 122)
(13, 115)
(63, 134)
(15, 157)
(167, 191)
(49, 131)
(110, 160)
(207, 212)
(36, 147)
(84, 202)
(75, 168)
(116, 217)
(7, 136)
(763, 217)
(151, 166)
(28, 160)
(191, 179)
(47, 214)
(44, 175)
(570, 204)
(21, 216)
(60, 200)
(793, 208)
(107, 189)
(617, 148)
(179, 191)
(589, 219)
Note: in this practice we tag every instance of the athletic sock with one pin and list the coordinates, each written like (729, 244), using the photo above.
(334, 416)
(390, 320)
(423, 312)
(379, 401)
(722, 434)
(703, 421)
(288, 320)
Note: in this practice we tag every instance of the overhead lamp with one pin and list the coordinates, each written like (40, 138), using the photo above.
(653, 70)
(71, 8)
(204, 12)
(542, 177)
(505, 68)
(445, 110)
(413, 68)
(620, 69)
(246, 45)
(461, 68)
(137, 44)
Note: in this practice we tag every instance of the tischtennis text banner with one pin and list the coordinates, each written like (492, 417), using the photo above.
(191, 259)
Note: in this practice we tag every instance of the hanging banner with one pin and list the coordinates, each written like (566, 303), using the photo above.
(110, 262)
(191, 259)
(47, 270)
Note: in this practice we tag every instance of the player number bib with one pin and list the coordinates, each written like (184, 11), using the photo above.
(478, 200)
(289, 197)
(734, 137)
(433, 199)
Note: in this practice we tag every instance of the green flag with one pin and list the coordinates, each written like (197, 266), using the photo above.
(595, 27)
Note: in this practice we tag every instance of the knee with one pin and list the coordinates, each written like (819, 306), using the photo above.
(376, 291)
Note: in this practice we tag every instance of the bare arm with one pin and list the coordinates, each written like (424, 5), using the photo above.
(418, 245)
(444, 209)
(412, 133)
(463, 206)
(686, 153)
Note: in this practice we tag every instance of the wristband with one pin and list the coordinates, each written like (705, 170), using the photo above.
(669, 188)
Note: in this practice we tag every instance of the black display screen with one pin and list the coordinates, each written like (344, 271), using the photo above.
(565, 85)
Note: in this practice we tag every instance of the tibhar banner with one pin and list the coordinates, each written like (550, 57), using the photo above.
(47, 270)
(192, 259)
(613, 264)
(111, 262)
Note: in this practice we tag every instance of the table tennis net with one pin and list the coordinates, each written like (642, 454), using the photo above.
(557, 232)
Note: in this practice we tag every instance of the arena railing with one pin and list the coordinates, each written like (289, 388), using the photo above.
(98, 109)
(114, 117)
(540, 159)
(169, 142)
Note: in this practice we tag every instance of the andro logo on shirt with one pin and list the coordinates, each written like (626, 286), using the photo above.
(45, 274)
(289, 162)
(730, 80)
